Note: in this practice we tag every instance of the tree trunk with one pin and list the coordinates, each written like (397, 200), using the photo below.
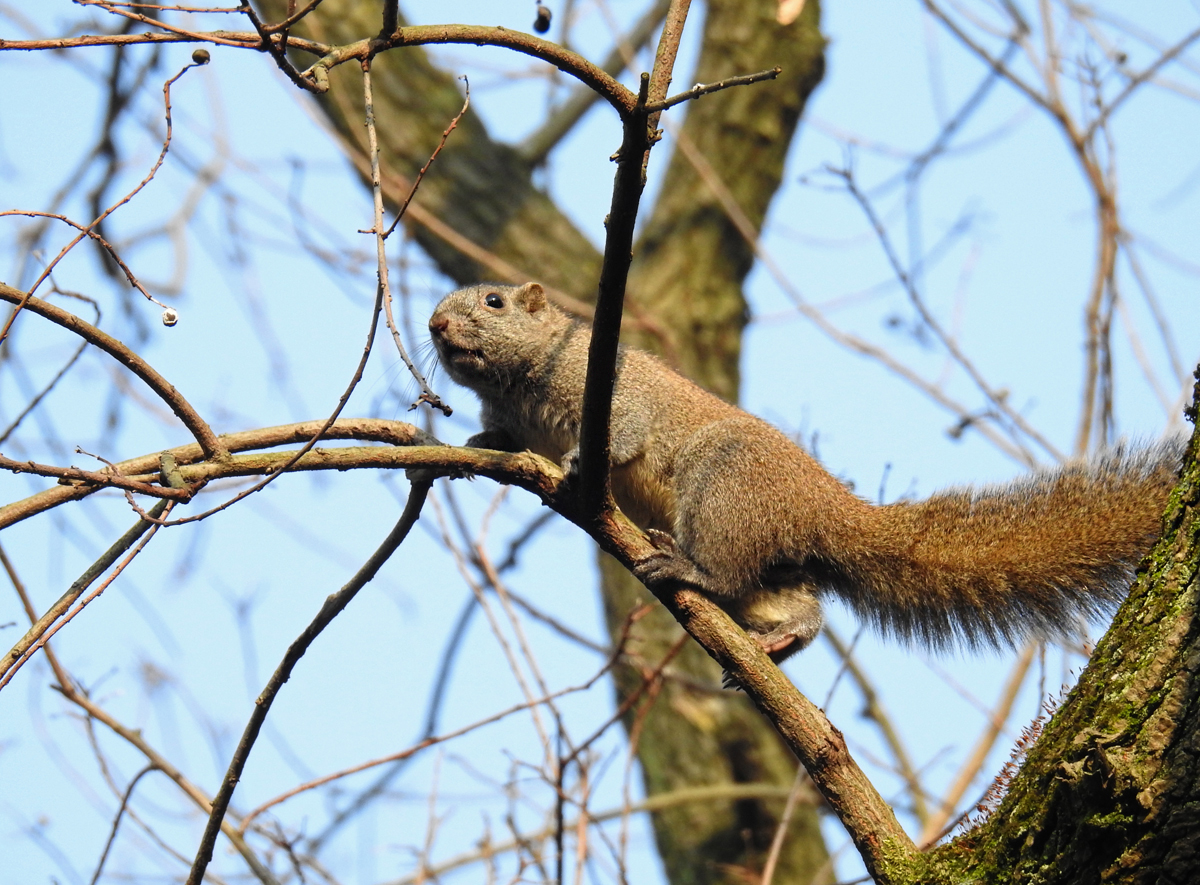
(686, 283)
(1110, 792)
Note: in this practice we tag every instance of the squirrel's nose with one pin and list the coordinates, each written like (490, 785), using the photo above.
(439, 324)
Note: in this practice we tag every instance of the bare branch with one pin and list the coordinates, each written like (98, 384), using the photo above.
(236, 39)
(162, 155)
(701, 89)
(44, 627)
(112, 836)
(1162, 61)
(276, 48)
(932, 830)
(333, 606)
(146, 468)
(998, 401)
(122, 354)
(423, 744)
(568, 62)
(535, 148)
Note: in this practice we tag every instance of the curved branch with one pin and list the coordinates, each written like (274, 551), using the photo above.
(166, 391)
(587, 73)
(566, 61)
(145, 467)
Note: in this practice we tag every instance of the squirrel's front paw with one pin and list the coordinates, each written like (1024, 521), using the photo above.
(497, 440)
(570, 465)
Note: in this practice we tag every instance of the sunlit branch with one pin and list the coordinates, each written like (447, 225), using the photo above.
(701, 89)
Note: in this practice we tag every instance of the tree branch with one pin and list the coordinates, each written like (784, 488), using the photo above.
(419, 35)
(701, 89)
(122, 354)
(332, 607)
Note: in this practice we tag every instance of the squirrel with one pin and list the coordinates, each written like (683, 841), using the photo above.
(740, 512)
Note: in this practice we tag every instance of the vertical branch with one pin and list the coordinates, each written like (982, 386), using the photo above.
(1098, 315)
(382, 232)
(391, 17)
(668, 48)
(606, 327)
(638, 137)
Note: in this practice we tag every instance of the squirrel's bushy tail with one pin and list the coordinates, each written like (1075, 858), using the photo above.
(995, 565)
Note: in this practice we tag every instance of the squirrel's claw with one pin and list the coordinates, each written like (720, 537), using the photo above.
(668, 563)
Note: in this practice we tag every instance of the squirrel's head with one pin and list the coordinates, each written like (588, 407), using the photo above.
(488, 333)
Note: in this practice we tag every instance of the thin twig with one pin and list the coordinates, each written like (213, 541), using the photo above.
(412, 191)
(650, 805)
(781, 829)
(24, 647)
(165, 391)
(276, 50)
(537, 146)
(37, 398)
(162, 155)
(998, 401)
(461, 562)
(291, 19)
(235, 39)
(13, 664)
(333, 605)
(423, 744)
(873, 710)
(112, 836)
(104, 479)
(381, 235)
(974, 762)
(90, 232)
(705, 89)
(818, 318)
(1134, 82)
(146, 468)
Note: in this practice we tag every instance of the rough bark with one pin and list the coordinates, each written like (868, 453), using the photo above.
(687, 275)
(1110, 792)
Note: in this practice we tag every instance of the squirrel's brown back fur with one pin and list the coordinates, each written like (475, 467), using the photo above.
(744, 514)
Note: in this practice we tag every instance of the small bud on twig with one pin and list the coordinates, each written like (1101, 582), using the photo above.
(541, 24)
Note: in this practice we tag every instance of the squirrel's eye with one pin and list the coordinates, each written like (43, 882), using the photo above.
(493, 300)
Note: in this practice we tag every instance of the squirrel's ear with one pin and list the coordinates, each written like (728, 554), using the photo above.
(532, 296)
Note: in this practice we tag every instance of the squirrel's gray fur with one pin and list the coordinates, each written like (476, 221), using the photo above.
(763, 529)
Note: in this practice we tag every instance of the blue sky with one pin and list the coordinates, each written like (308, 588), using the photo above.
(183, 641)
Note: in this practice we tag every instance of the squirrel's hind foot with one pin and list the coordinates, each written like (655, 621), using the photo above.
(782, 620)
(779, 646)
(668, 563)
